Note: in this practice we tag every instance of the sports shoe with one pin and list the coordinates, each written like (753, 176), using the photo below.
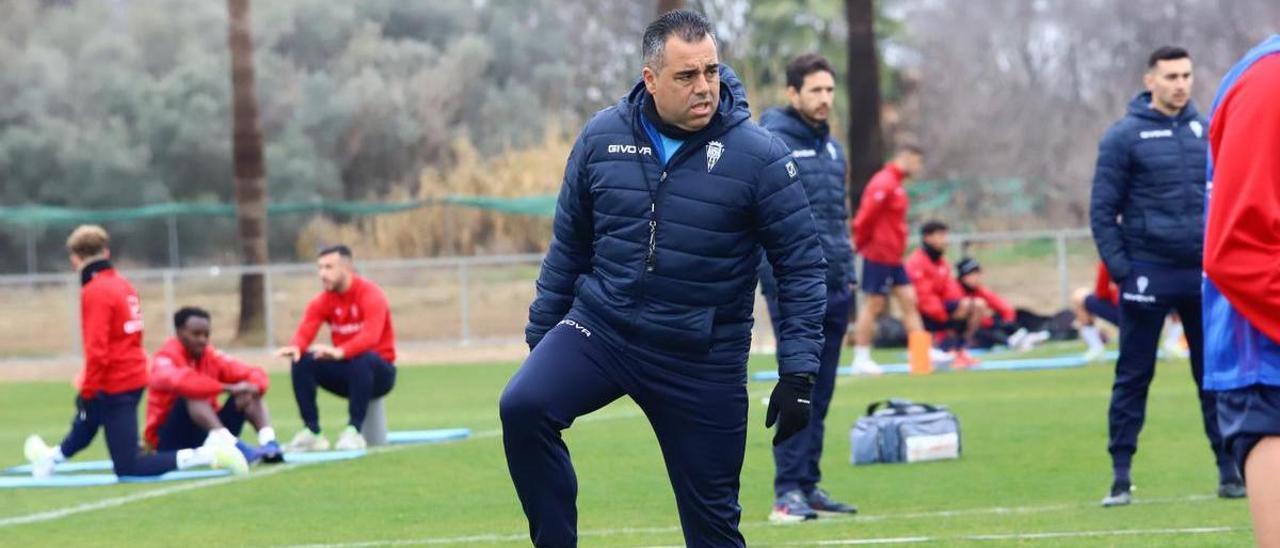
(40, 455)
(1015, 340)
(1095, 354)
(250, 453)
(1231, 489)
(271, 453)
(1173, 348)
(305, 441)
(1121, 495)
(1035, 337)
(964, 360)
(941, 357)
(823, 504)
(350, 440)
(867, 367)
(227, 458)
(792, 507)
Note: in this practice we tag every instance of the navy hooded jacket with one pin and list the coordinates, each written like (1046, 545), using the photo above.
(1151, 176)
(728, 195)
(822, 169)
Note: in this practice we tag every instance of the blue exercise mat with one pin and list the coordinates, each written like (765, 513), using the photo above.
(92, 480)
(322, 456)
(1026, 364)
(428, 436)
(66, 467)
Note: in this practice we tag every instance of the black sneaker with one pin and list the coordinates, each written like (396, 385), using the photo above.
(791, 507)
(1231, 489)
(1121, 495)
(822, 503)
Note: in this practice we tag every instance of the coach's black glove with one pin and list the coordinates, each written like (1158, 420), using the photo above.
(789, 405)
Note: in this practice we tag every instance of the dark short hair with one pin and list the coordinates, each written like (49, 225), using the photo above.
(187, 312)
(340, 249)
(1166, 53)
(931, 227)
(801, 67)
(966, 266)
(689, 26)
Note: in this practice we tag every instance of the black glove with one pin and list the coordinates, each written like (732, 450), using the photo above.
(789, 405)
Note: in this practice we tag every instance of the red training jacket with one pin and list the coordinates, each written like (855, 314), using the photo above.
(880, 227)
(1103, 288)
(359, 320)
(933, 283)
(111, 327)
(1241, 251)
(175, 375)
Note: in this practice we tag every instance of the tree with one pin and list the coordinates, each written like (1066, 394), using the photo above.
(250, 170)
(862, 84)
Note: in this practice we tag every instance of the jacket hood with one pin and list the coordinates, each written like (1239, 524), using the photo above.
(787, 120)
(1140, 106)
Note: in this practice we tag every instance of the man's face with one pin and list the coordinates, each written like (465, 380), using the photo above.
(334, 271)
(194, 335)
(972, 279)
(686, 88)
(814, 98)
(938, 240)
(911, 163)
(1170, 84)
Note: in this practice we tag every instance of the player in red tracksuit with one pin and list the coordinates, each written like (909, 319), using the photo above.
(1100, 301)
(943, 307)
(115, 373)
(880, 236)
(360, 364)
(187, 376)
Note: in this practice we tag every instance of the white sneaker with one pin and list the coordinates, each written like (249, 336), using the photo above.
(40, 455)
(227, 458)
(1173, 348)
(1015, 340)
(867, 367)
(941, 357)
(1095, 354)
(350, 440)
(1032, 339)
(305, 441)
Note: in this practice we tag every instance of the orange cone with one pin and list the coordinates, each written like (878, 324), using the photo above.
(918, 345)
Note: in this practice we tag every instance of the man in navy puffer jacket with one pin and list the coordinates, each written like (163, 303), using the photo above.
(669, 200)
(803, 127)
(1147, 216)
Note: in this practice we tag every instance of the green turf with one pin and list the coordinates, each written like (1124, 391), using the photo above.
(1034, 445)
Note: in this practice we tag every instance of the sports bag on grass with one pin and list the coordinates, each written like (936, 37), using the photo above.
(903, 431)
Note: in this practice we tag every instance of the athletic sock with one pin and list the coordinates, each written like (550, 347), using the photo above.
(266, 435)
(1091, 337)
(221, 435)
(861, 354)
(57, 455)
(1173, 335)
(191, 458)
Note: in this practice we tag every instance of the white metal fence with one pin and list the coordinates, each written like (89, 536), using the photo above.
(457, 300)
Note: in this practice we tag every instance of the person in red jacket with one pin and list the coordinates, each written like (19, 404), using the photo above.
(115, 373)
(187, 376)
(880, 236)
(359, 366)
(1089, 304)
(1000, 324)
(943, 307)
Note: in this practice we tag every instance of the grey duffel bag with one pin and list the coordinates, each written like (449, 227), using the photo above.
(903, 431)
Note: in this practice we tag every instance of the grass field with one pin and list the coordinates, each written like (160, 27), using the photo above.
(1033, 470)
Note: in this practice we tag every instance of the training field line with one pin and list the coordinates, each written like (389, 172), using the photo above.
(1028, 536)
(115, 502)
(995, 510)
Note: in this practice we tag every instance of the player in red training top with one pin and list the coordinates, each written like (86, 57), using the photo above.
(359, 366)
(187, 376)
(114, 375)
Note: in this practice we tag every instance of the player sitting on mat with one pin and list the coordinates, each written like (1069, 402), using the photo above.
(187, 376)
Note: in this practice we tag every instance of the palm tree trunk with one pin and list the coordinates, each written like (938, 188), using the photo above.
(250, 171)
(862, 82)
